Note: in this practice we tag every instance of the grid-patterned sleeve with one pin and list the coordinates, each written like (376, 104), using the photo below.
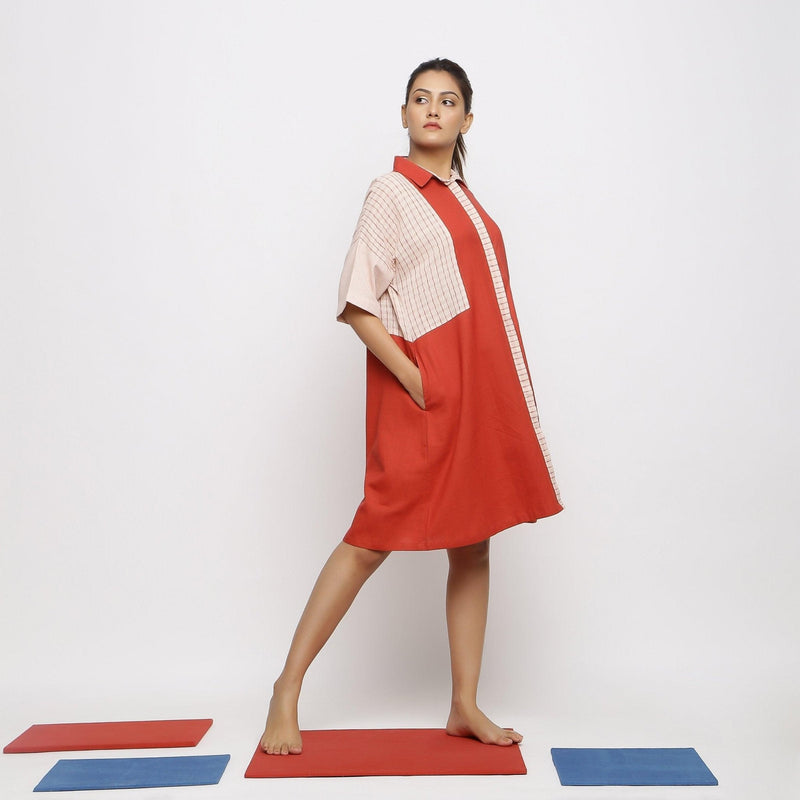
(369, 265)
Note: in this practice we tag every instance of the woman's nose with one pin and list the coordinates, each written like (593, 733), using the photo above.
(433, 111)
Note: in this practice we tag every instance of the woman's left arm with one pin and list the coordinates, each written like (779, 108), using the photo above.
(379, 342)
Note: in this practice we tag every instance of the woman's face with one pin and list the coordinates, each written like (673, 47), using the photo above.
(435, 112)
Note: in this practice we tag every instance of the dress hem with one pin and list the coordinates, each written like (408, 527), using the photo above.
(460, 543)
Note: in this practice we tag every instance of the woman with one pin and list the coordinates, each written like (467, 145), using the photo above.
(454, 449)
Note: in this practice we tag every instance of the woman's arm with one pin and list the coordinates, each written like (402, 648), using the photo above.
(379, 342)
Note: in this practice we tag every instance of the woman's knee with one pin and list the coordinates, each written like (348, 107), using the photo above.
(471, 554)
(365, 558)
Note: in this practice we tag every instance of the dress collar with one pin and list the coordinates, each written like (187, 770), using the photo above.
(420, 175)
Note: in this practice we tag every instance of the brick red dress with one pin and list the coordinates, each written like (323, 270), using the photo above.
(430, 263)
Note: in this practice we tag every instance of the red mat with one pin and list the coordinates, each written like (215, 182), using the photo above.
(110, 735)
(408, 751)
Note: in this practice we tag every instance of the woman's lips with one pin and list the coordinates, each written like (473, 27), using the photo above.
(432, 125)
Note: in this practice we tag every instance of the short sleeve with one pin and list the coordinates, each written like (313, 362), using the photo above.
(369, 265)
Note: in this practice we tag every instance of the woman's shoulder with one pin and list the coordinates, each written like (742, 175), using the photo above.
(385, 193)
(389, 182)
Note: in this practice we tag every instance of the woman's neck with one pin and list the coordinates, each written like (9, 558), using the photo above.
(436, 161)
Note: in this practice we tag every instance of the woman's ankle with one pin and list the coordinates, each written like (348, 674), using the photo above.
(287, 685)
(463, 703)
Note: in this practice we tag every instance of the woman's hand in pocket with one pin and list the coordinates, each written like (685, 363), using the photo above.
(413, 385)
(372, 332)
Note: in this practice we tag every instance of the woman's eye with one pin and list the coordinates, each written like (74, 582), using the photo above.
(421, 99)
(448, 102)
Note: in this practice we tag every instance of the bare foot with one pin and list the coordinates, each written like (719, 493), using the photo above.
(474, 723)
(282, 732)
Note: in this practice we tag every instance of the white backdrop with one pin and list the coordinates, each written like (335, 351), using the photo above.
(182, 418)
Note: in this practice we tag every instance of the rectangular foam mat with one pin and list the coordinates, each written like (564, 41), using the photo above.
(631, 766)
(109, 735)
(77, 774)
(406, 751)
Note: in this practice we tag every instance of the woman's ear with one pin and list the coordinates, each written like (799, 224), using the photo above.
(403, 116)
(467, 123)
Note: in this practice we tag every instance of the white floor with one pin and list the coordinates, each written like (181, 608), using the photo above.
(751, 758)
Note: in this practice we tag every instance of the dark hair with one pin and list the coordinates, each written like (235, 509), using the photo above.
(460, 77)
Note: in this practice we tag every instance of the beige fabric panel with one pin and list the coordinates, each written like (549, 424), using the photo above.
(402, 264)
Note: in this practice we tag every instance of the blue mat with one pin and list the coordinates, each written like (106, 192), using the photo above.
(631, 766)
(132, 773)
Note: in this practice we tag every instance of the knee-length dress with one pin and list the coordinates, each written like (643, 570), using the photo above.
(428, 261)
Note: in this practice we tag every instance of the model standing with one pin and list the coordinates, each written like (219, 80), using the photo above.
(455, 452)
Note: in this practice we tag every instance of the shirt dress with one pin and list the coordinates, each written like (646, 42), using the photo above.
(428, 261)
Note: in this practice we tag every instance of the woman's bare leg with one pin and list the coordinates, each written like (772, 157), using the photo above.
(344, 573)
(467, 606)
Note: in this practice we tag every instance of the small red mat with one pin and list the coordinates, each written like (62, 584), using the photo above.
(110, 735)
(408, 751)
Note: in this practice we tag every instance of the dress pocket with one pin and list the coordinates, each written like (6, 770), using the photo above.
(426, 397)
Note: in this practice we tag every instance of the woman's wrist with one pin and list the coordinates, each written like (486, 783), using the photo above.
(408, 374)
